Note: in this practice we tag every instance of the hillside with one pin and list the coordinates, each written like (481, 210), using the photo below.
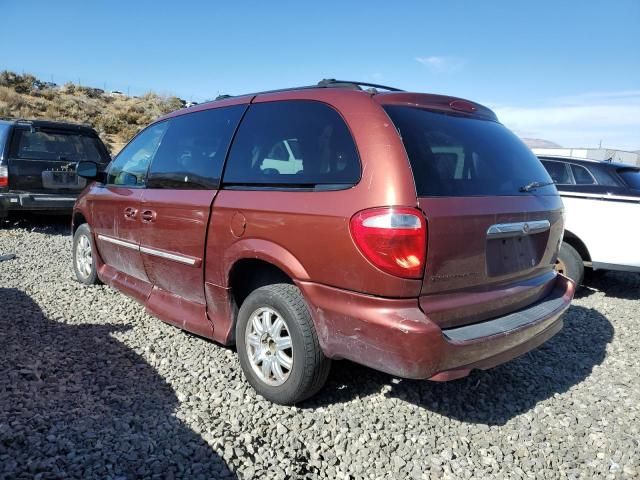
(115, 117)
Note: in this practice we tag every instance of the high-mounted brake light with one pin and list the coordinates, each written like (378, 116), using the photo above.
(394, 239)
(463, 106)
(4, 176)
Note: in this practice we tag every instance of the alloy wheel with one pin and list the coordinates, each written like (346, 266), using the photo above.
(269, 347)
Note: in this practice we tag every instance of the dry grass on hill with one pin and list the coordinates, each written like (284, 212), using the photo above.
(116, 117)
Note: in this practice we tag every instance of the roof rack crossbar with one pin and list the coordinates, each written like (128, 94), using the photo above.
(328, 82)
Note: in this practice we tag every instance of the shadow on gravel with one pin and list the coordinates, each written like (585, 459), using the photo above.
(49, 224)
(77, 403)
(494, 396)
(622, 285)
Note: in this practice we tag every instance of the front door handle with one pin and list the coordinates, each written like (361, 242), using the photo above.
(148, 216)
(130, 213)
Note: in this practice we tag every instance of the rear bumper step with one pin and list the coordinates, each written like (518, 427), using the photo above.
(395, 335)
(508, 323)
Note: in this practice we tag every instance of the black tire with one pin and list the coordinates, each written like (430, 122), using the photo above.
(90, 276)
(570, 264)
(310, 368)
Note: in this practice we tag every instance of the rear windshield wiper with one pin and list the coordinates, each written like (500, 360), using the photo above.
(533, 185)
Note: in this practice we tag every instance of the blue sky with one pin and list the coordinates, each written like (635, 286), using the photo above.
(565, 71)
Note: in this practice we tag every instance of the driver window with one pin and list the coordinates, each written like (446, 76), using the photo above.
(129, 168)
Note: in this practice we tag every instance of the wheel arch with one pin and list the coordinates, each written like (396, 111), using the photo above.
(580, 247)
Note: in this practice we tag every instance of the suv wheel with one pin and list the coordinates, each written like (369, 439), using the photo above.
(570, 263)
(84, 265)
(278, 346)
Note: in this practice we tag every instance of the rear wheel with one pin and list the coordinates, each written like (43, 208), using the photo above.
(570, 263)
(278, 346)
(84, 264)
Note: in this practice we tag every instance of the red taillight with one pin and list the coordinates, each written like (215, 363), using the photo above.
(4, 176)
(394, 239)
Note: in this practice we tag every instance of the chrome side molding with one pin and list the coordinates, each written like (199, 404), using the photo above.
(517, 229)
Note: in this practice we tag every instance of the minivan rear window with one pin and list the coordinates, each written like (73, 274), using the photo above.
(458, 156)
(631, 177)
(56, 145)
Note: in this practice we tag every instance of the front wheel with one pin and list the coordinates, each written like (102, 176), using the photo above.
(84, 264)
(278, 345)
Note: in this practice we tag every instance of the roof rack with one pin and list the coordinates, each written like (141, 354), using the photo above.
(324, 83)
(332, 82)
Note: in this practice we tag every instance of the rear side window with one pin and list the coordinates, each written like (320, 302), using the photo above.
(292, 144)
(558, 171)
(56, 145)
(631, 177)
(459, 156)
(582, 175)
(192, 151)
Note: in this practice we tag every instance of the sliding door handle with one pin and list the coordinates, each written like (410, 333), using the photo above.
(148, 216)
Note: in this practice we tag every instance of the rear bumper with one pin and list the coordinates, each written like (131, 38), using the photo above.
(12, 201)
(395, 336)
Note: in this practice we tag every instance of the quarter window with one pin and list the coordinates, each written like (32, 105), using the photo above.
(129, 168)
(192, 151)
(582, 175)
(292, 144)
(603, 177)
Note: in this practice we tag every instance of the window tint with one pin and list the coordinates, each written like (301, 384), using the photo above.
(558, 171)
(459, 156)
(292, 143)
(603, 177)
(193, 149)
(582, 175)
(130, 166)
(56, 145)
(631, 177)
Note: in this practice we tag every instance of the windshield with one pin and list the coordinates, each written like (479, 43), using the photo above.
(631, 177)
(458, 156)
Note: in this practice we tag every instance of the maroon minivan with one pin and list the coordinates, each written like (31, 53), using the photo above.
(408, 232)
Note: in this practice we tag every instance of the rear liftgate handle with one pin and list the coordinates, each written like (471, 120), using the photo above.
(148, 216)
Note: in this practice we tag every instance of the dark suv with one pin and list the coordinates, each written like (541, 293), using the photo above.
(37, 164)
(409, 232)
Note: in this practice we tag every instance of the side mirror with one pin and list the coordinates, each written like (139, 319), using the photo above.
(87, 170)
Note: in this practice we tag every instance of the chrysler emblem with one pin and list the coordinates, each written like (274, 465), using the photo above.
(526, 228)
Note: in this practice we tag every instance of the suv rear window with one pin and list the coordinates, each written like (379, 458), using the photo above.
(56, 145)
(458, 156)
(293, 143)
(631, 177)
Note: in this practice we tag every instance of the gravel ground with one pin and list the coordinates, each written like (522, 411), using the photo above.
(92, 387)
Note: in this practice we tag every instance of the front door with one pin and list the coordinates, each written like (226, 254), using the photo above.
(116, 206)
